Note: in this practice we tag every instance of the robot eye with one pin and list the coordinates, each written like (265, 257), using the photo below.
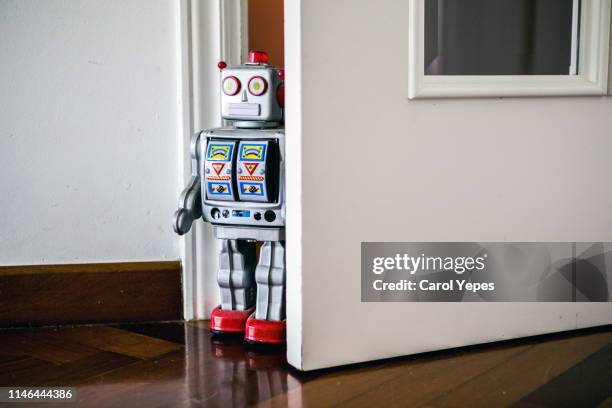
(258, 86)
(231, 85)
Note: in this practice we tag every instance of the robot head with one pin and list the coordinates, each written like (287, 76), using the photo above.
(252, 94)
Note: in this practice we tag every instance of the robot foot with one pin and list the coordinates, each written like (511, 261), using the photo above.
(228, 321)
(264, 331)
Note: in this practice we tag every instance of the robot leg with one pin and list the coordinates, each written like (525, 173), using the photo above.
(236, 284)
(236, 264)
(267, 325)
(270, 278)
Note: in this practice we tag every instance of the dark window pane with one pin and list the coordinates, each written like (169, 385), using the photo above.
(498, 37)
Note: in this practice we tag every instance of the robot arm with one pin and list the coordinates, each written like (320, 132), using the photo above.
(190, 201)
(190, 206)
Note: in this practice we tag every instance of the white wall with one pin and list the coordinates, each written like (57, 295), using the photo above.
(89, 122)
(378, 167)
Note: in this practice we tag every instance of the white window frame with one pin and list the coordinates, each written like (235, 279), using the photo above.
(592, 77)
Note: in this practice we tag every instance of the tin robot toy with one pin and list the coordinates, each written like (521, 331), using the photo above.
(237, 185)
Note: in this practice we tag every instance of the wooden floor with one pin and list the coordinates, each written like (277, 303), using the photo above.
(178, 364)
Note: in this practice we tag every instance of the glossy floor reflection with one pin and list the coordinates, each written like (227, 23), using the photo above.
(183, 365)
(149, 365)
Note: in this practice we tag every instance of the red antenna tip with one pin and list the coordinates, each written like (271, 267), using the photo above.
(221, 65)
(258, 57)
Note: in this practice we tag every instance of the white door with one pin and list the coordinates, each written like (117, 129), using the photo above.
(366, 163)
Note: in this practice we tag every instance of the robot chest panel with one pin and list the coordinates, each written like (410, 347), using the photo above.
(251, 169)
(218, 166)
(239, 170)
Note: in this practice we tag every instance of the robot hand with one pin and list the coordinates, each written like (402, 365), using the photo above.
(190, 207)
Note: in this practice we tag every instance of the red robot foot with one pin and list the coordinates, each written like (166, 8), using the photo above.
(265, 331)
(228, 321)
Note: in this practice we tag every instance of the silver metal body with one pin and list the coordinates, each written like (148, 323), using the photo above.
(226, 162)
(237, 208)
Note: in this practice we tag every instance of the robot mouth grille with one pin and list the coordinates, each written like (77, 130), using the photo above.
(244, 109)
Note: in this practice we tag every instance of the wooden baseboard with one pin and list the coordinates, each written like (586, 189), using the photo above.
(36, 295)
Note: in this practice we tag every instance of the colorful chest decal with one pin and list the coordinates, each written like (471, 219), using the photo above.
(219, 151)
(252, 164)
(250, 167)
(218, 167)
(251, 178)
(251, 189)
(244, 160)
(222, 189)
(253, 151)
